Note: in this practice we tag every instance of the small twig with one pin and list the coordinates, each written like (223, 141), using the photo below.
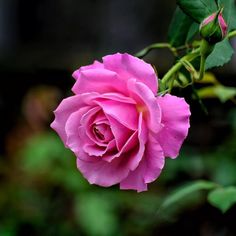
(189, 57)
(231, 34)
(146, 50)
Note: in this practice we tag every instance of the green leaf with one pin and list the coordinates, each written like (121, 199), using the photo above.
(179, 28)
(186, 190)
(197, 9)
(221, 54)
(217, 91)
(223, 198)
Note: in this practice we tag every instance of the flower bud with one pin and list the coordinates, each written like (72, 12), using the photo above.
(214, 28)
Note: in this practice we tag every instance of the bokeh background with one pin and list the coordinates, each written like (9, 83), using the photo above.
(41, 193)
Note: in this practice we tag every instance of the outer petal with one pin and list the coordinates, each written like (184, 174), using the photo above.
(103, 173)
(148, 169)
(95, 65)
(74, 131)
(98, 80)
(67, 107)
(127, 66)
(223, 25)
(175, 118)
(154, 158)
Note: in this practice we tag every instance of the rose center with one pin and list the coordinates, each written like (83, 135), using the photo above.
(98, 134)
(102, 132)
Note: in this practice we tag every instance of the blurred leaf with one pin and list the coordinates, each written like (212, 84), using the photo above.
(198, 10)
(209, 78)
(95, 213)
(225, 93)
(232, 119)
(193, 30)
(224, 171)
(223, 198)
(179, 28)
(185, 190)
(189, 163)
(7, 231)
(42, 151)
(217, 91)
(221, 54)
(45, 153)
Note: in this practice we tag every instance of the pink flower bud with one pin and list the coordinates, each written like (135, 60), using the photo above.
(214, 28)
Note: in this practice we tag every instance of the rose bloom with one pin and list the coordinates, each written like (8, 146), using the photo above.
(118, 128)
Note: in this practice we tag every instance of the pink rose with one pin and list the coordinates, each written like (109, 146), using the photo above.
(119, 130)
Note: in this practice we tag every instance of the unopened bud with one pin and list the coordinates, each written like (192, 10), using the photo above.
(214, 28)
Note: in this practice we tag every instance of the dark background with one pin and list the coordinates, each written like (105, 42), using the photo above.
(41, 43)
(44, 41)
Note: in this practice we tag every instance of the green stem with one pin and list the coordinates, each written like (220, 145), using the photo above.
(189, 57)
(172, 82)
(146, 50)
(231, 34)
(202, 67)
(205, 50)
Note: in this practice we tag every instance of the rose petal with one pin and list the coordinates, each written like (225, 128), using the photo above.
(89, 116)
(82, 140)
(95, 65)
(127, 66)
(154, 158)
(100, 119)
(128, 146)
(142, 139)
(175, 118)
(116, 97)
(148, 169)
(124, 113)
(146, 103)
(99, 80)
(72, 128)
(103, 173)
(120, 132)
(95, 150)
